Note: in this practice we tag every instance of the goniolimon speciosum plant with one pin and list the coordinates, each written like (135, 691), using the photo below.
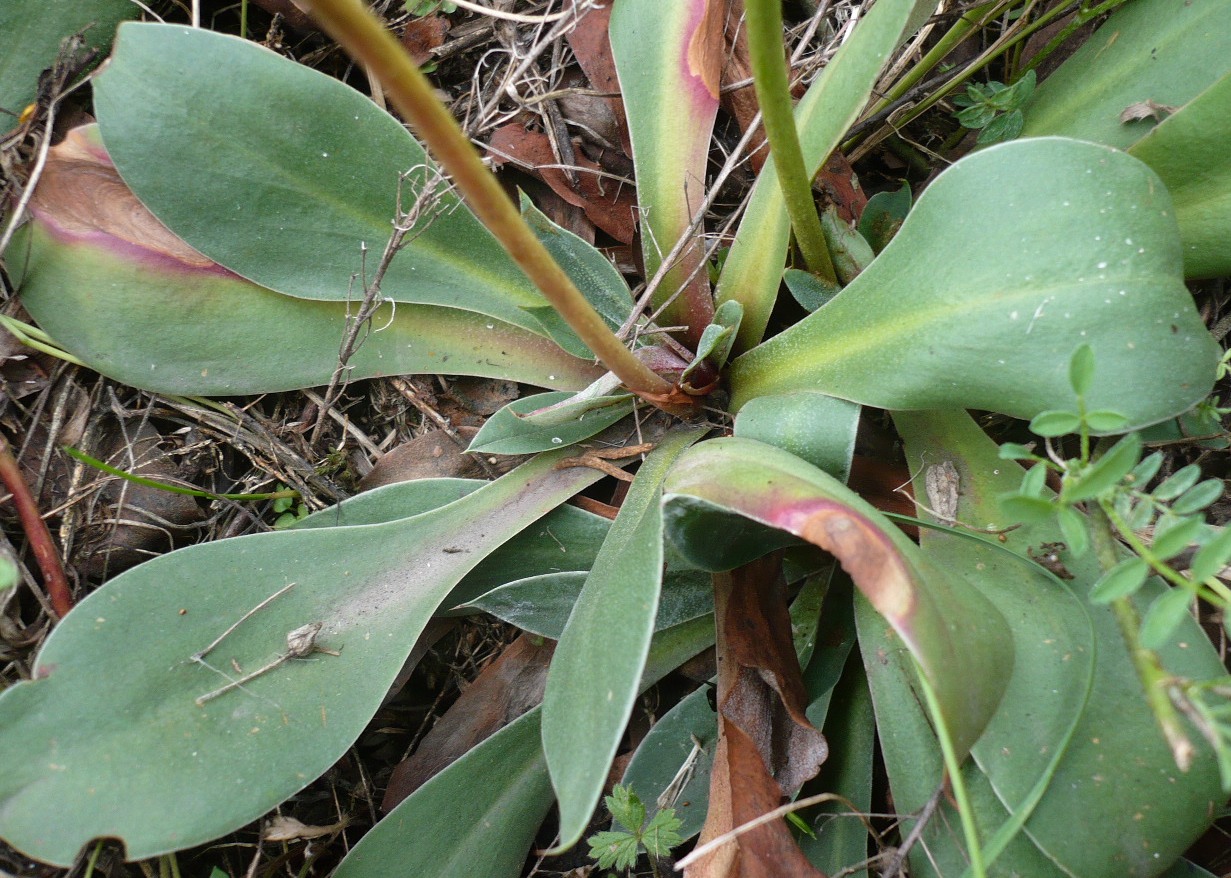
(225, 198)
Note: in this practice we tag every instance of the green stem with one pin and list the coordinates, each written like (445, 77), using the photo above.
(173, 489)
(766, 54)
(1155, 681)
(366, 39)
(33, 337)
(965, 809)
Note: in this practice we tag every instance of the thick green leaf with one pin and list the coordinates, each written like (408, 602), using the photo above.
(814, 427)
(593, 273)
(841, 839)
(1113, 767)
(478, 816)
(594, 674)
(1185, 151)
(542, 604)
(31, 32)
(915, 768)
(945, 625)
(516, 430)
(284, 175)
(1172, 59)
(668, 57)
(1166, 51)
(109, 284)
(109, 733)
(1078, 246)
(679, 750)
(883, 215)
(562, 543)
(809, 290)
(754, 267)
(716, 342)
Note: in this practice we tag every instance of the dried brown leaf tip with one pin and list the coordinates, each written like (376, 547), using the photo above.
(767, 748)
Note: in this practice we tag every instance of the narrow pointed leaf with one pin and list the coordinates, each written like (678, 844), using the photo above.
(284, 174)
(515, 429)
(109, 733)
(115, 288)
(1078, 247)
(942, 622)
(602, 652)
(477, 817)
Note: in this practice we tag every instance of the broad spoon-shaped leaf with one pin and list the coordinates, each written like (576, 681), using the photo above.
(946, 625)
(112, 285)
(1074, 740)
(1011, 259)
(283, 174)
(119, 721)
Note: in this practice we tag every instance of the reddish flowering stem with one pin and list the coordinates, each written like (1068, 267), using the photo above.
(45, 553)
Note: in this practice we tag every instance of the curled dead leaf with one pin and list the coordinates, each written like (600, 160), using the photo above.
(767, 748)
(282, 828)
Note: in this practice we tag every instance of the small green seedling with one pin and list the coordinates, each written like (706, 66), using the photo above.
(621, 848)
(289, 509)
(994, 109)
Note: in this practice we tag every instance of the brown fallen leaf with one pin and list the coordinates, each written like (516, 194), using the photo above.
(424, 34)
(766, 747)
(741, 102)
(503, 691)
(432, 455)
(592, 49)
(609, 204)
